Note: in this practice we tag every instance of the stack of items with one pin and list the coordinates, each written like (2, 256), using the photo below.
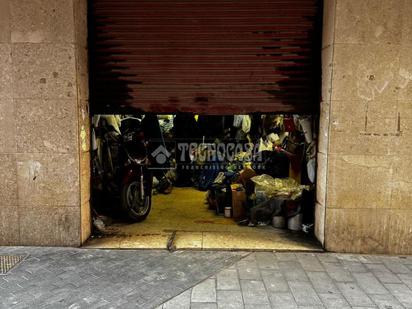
(275, 184)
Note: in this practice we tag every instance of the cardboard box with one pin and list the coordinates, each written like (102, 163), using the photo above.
(238, 201)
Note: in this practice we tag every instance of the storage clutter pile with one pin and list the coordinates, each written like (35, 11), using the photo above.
(257, 169)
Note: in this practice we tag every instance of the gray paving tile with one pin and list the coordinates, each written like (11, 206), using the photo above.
(370, 259)
(347, 257)
(327, 258)
(230, 299)
(293, 271)
(181, 301)
(203, 306)
(354, 267)
(274, 281)
(283, 301)
(228, 279)
(322, 283)
(394, 264)
(86, 278)
(386, 301)
(407, 279)
(258, 306)
(204, 292)
(369, 283)
(337, 272)
(286, 256)
(383, 274)
(254, 292)
(334, 301)
(407, 260)
(402, 293)
(304, 294)
(310, 262)
(248, 269)
(250, 257)
(266, 260)
(354, 294)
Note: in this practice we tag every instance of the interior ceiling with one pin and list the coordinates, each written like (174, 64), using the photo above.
(205, 56)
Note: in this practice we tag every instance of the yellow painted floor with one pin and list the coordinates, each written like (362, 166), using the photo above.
(185, 212)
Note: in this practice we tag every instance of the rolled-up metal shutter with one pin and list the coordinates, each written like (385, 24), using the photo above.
(205, 56)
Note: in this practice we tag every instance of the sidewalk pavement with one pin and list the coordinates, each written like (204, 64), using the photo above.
(85, 278)
(304, 280)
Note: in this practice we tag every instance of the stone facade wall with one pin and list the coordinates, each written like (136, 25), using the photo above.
(364, 196)
(364, 186)
(43, 123)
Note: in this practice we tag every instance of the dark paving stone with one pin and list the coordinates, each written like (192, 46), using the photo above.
(85, 278)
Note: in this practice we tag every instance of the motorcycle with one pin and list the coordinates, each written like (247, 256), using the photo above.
(121, 164)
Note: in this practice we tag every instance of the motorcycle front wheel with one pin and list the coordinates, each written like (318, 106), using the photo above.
(136, 206)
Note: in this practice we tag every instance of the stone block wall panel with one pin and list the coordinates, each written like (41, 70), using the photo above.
(324, 122)
(4, 21)
(82, 75)
(56, 226)
(400, 236)
(321, 183)
(6, 90)
(80, 22)
(348, 186)
(406, 23)
(7, 126)
(85, 177)
(329, 13)
(42, 21)
(8, 180)
(320, 213)
(9, 225)
(44, 123)
(358, 230)
(328, 38)
(401, 197)
(365, 71)
(368, 201)
(86, 221)
(44, 71)
(405, 72)
(369, 21)
(46, 180)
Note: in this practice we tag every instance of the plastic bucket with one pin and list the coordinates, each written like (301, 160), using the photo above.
(279, 222)
(295, 223)
(228, 212)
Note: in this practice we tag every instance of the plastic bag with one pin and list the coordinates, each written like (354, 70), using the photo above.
(277, 187)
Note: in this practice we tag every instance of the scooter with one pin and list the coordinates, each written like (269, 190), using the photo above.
(121, 164)
(137, 179)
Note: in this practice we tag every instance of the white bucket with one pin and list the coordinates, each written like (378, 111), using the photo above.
(295, 223)
(228, 212)
(279, 222)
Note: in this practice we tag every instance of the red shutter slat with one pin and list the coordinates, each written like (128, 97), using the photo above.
(205, 56)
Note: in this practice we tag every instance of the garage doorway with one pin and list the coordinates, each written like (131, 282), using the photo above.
(208, 59)
(216, 182)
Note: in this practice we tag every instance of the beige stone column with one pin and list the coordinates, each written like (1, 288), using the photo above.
(44, 162)
(365, 168)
